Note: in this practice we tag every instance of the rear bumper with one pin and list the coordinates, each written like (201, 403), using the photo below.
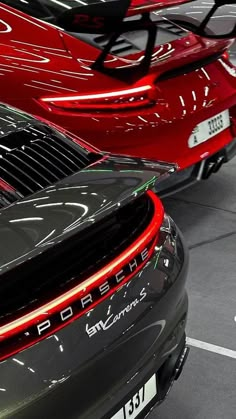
(200, 171)
(164, 359)
(166, 375)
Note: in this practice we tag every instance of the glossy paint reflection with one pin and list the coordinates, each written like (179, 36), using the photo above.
(188, 76)
(73, 203)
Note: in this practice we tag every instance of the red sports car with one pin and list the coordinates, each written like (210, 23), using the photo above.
(150, 89)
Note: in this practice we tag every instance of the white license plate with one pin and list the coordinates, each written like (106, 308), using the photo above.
(139, 400)
(209, 128)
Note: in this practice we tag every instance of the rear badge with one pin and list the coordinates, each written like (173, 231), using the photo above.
(102, 326)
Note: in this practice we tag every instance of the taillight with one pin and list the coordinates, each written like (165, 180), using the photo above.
(125, 99)
(226, 55)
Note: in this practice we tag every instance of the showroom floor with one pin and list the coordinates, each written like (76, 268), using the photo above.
(206, 213)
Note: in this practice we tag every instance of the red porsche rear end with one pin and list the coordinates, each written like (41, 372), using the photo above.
(189, 114)
(181, 109)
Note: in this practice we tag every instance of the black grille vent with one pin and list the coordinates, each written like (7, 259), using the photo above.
(69, 263)
(175, 29)
(135, 41)
(35, 163)
(122, 45)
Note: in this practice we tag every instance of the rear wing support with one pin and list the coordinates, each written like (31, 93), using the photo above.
(128, 73)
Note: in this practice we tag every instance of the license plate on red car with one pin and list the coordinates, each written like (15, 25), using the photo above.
(138, 401)
(209, 128)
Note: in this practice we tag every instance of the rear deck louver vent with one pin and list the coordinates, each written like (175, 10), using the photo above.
(135, 41)
(121, 46)
(37, 162)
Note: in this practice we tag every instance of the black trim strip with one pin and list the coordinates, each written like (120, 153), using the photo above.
(188, 68)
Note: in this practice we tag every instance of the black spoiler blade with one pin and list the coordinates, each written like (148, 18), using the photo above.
(70, 206)
(105, 17)
(117, 17)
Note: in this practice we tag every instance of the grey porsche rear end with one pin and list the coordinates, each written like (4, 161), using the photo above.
(92, 280)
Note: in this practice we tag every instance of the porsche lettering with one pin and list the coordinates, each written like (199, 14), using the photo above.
(88, 300)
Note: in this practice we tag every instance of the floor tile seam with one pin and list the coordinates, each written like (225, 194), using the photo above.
(203, 205)
(213, 240)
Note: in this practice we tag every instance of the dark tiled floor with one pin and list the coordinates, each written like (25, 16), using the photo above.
(206, 390)
(206, 213)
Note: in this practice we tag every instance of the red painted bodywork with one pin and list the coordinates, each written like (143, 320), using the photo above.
(38, 60)
(138, 6)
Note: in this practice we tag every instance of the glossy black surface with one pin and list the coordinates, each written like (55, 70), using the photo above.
(65, 208)
(73, 202)
(69, 263)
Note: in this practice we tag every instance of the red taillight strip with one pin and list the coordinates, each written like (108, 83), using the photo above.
(20, 342)
(102, 95)
(26, 321)
(225, 55)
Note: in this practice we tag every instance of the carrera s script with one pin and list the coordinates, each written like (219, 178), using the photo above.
(112, 319)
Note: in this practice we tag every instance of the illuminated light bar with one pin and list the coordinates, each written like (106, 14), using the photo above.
(124, 99)
(62, 310)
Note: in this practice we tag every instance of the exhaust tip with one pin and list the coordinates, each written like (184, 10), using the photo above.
(172, 369)
(212, 166)
(181, 361)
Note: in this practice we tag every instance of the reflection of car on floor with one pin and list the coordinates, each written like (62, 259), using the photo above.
(92, 278)
(179, 106)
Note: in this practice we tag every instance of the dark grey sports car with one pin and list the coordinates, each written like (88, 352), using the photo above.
(92, 279)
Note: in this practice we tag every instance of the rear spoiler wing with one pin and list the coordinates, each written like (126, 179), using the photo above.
(116, 17)
(104, 17)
